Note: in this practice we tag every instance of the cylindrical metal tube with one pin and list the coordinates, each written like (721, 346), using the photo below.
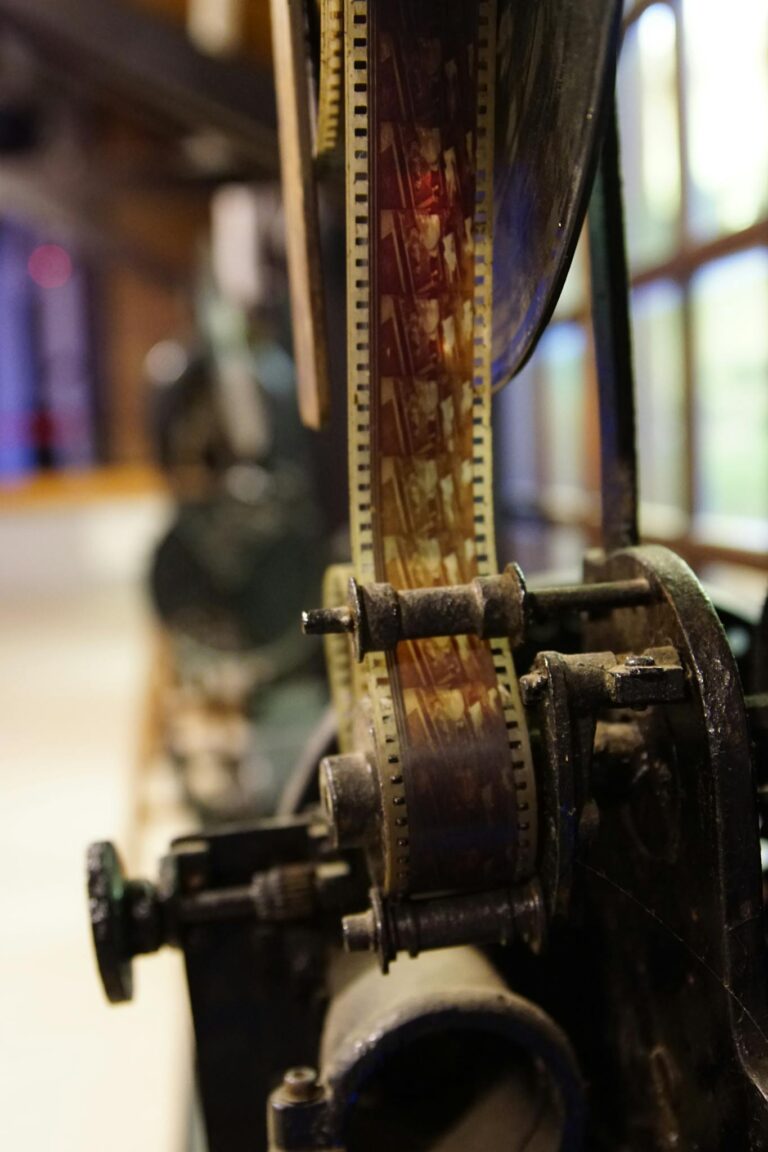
(443, 1047)
(547, 602)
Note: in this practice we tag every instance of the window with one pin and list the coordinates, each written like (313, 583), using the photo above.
(693, 112)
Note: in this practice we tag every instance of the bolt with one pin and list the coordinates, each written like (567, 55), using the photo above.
(325, 621)
(642, 661)
(359, 931)
(301, 1085)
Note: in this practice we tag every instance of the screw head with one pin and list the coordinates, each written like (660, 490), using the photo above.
(301, 1084)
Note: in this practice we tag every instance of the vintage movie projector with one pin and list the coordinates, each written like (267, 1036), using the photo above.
(514, 900)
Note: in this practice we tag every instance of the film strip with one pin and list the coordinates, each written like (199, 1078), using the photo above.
(343, 672)
(455, 766)
(331, 85)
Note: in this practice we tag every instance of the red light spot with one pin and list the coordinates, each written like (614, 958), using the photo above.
(50, 266)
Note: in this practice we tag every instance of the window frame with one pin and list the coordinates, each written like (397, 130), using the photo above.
(679, 269)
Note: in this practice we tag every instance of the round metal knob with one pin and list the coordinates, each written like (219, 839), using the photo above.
(125, 919)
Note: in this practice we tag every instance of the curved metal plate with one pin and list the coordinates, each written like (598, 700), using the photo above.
(555, 64)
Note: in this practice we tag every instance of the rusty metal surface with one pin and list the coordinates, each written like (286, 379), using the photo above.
(391, 927)
(379, 617)
(671, 893)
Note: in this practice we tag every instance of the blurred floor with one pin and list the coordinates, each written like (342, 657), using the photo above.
(75, 1075)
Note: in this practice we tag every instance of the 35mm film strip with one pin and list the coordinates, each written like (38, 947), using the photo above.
(455, 763)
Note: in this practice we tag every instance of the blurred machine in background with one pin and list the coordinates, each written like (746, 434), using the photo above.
(238, 691)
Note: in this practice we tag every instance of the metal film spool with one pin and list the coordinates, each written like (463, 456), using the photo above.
(454, 760)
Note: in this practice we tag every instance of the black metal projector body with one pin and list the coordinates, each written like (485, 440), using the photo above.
(641, 934)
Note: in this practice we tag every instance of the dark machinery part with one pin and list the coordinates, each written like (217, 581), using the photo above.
(394, 1071)
(133, 918)
(253, 910)
(416, 926)
(378, 616)
(687, 892)
(613, 346)
(548, 133)
(353, 790)
(123, 920)
(646, 821)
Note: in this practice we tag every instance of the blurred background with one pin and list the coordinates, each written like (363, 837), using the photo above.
(163, 517)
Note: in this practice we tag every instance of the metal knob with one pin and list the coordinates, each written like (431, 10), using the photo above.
(125, 919)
